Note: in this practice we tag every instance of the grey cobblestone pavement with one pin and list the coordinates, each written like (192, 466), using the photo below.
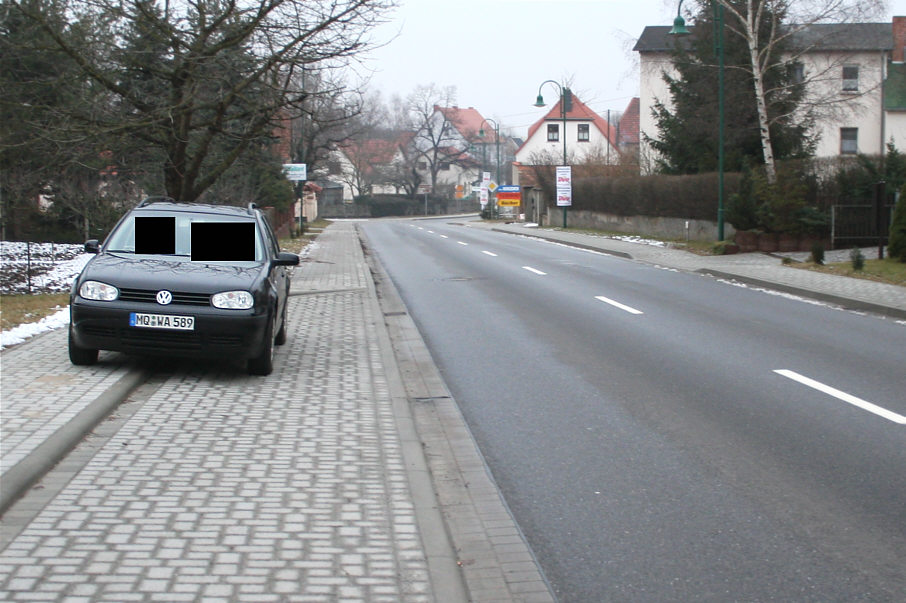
(227, 487)
(205, 484)
(758, 269)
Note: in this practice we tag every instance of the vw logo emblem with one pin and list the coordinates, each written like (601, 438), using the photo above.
(164, 297)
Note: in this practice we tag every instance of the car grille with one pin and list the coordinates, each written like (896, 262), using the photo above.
(99, 331)
(143, 339)
(150, 296)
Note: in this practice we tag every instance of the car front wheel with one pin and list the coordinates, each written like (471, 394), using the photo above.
(81, 356)
(280, 339)
(263, 363)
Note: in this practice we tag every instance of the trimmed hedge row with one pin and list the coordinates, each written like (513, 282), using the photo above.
(692, 197)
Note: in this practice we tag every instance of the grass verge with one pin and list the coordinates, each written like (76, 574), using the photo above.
(883, 271)
(19, 309)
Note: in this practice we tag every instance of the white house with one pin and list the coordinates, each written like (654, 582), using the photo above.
(854, 72)
(366, 167)
(587, 135)
(450, 142)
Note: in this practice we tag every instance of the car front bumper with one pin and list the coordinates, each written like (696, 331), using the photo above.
(226, 334)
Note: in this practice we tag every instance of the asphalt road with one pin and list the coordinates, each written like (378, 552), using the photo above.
(664, 436)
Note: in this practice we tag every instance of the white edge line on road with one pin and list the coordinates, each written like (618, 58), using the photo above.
(535, 270)
(490, 253)
(840, 395)
(617, 304)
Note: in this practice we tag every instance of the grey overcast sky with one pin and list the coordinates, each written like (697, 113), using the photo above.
(496, 53)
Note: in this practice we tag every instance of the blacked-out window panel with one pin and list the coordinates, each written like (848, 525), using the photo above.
(223, 241)
(155, 235)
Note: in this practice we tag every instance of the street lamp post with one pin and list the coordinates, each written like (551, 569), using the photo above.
(497, 142)
(565, 97)
(679, 29)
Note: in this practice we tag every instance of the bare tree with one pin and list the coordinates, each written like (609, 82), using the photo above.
(203, 81)
(436, 138)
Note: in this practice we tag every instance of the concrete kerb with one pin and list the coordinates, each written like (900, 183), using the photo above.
(441, 556)
(462, 487)
(842, 301)
(847, 303)
(27, 472)
(620, 254)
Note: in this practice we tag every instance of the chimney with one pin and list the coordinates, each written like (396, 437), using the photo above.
(899, 38)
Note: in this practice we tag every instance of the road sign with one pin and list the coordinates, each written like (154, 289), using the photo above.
(509, 188)
(296, 171)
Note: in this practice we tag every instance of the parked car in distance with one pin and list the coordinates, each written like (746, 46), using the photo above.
(184, 279)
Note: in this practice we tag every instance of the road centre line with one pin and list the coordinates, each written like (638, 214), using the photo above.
(444, 237)
(617, 304)
(840, 395)
(530, 269)
(461, 243)
(490, 253)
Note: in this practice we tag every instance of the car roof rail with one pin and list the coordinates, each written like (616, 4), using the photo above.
(156, 199)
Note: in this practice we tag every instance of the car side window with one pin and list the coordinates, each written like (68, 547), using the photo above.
(271, 238)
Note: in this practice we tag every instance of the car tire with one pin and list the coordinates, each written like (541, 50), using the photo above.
(80, 356)
(263, 364)
(280, 339)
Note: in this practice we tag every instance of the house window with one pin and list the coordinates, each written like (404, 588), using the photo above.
(849, 141)
(553, 132)
(850, 78)
(797, 73)
(444, 165)
(583, 133)
(423, 165)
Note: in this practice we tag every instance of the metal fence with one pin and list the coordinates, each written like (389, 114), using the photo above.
(853, 225)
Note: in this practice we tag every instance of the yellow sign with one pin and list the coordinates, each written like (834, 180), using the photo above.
(509, 198)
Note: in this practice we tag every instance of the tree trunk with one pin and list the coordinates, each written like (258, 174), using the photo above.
(763, 123)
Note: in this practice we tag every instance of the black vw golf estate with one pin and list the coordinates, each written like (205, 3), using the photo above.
(183, 279)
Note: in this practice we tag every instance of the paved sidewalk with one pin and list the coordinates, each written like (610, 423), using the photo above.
(756, 269)
(310, 484)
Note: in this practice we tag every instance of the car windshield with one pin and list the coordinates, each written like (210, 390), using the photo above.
(190, 236)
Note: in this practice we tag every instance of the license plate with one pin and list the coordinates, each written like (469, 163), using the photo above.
(162, 321)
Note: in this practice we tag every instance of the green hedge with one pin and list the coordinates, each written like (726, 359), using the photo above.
(692, 197)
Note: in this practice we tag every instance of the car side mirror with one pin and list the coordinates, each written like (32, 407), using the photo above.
(92, 246)
(285, 259)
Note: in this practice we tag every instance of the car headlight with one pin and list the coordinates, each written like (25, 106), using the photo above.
(97, 291)
(233, 300)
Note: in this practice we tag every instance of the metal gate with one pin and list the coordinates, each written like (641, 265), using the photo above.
(859, 225)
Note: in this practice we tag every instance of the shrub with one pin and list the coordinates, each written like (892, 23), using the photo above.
(857, 258)
(897, 241)
(818, 254)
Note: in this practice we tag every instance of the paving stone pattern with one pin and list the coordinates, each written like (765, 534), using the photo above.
(226, 487)
(40, 391)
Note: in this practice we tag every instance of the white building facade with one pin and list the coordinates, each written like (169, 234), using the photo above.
(852, 71)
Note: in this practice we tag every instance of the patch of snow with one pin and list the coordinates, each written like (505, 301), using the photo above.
(19, 334)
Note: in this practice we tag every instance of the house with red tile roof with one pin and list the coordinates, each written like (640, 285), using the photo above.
(450, 147)
(587, 135)
(629, 129)
(369, 166)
